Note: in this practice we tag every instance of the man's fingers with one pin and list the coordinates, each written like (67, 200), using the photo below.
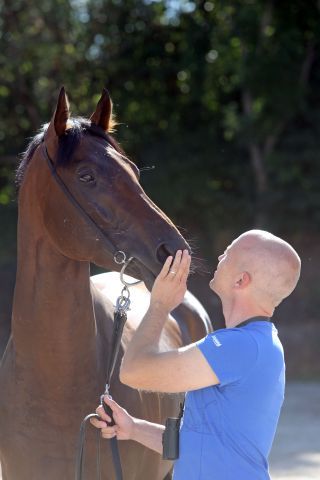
(175, 265)
(98, 423)
(107, 436)
(112, 403)
(166, 267)
(182, 264)
(109, 432)
(102, 414)
(174, 270)
(184, 268)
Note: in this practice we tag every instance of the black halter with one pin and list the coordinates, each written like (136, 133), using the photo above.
(110, 246)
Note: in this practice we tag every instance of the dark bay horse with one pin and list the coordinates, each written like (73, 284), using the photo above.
(54, 367)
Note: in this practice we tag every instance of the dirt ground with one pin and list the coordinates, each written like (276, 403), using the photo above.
(296, 450)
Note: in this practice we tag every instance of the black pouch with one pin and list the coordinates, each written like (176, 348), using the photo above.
(170, 437)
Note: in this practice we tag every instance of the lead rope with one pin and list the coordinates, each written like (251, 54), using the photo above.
(119, 320)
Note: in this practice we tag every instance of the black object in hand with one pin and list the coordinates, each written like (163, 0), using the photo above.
(170, 439)
(109, 412)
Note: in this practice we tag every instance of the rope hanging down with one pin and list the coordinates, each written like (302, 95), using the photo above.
(119, 320)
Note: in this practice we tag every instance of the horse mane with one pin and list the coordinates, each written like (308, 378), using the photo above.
(66, 146)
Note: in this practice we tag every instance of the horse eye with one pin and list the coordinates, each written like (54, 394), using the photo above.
(87, 178)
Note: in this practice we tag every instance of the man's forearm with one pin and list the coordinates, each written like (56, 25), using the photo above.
(143, 357)
(146, 338)
(148, 434)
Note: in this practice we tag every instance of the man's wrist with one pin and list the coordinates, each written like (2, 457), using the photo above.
(158, 307)
(148, 434)
(134, 434)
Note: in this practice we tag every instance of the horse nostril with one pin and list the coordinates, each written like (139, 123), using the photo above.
(163, 252)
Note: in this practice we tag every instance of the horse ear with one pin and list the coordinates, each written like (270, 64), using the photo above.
(62, 113)
(102, 117)
(59, 121)
(58, 124)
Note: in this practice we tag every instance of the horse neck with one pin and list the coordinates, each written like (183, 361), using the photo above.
(53, 323)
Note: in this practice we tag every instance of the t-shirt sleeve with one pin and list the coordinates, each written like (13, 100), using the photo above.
(231, 353)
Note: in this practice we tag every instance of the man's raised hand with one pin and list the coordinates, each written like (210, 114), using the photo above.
(171, 284)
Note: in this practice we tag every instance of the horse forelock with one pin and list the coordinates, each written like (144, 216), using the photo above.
(66, 146)
(27, 155)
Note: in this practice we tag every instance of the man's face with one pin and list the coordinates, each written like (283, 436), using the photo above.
(222, 280)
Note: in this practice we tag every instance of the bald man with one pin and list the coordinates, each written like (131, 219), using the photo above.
(234, 377)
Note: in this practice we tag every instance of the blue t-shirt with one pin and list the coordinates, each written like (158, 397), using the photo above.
(227, 430)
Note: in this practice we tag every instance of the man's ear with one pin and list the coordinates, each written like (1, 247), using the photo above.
(243, 280)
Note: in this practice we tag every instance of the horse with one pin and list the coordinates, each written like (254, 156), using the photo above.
(54, 366)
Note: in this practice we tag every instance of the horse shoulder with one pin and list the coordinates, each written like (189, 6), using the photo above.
(188, 323)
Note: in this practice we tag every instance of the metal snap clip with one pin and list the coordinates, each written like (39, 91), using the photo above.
(123, 281)
(120, 257)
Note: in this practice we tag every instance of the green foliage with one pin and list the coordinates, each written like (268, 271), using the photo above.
(8, 236)
(6, 185)
(221, 96)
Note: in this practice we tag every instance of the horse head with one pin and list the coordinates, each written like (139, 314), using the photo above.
(91, 202)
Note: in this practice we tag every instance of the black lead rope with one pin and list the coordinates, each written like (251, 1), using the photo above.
(120, 317)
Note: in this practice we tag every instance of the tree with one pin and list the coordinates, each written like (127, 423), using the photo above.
(211, 93)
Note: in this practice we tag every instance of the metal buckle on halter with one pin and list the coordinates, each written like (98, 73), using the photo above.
(121, 259)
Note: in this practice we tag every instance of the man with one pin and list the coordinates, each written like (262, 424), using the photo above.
(234, 377)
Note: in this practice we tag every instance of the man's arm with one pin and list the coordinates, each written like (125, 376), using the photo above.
(127, 427)
(144, 366)
(148, 434)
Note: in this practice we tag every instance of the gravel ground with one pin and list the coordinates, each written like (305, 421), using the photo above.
(296, 450)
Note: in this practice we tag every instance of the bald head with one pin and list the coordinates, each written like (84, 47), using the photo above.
(272, 264)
